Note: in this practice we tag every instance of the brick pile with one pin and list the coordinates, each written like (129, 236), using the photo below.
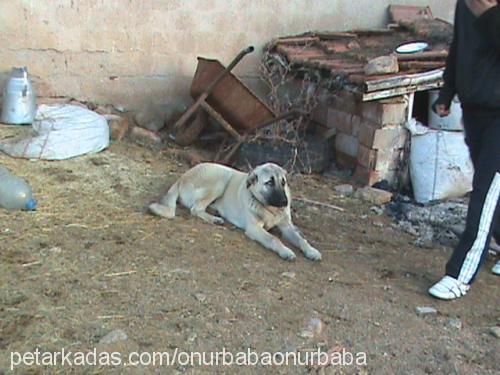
(370, 136)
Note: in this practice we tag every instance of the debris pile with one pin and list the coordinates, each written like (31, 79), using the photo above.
(432, 223)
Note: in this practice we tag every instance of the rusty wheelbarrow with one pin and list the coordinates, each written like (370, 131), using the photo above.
(219, 94)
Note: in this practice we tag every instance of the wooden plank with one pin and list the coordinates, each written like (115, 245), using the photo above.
(399, 91)
(335, 35)
(421, 65)
(298, 40)
(442, 54)
(371, 32)
(404, 80)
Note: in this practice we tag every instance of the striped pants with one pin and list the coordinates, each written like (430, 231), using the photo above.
(482, 135)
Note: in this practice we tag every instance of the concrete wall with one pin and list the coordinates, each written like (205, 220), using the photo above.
(134, 52)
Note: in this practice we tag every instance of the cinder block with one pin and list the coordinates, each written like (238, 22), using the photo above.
(340, 120)
(320, 114)
(367, 157)
(388, 160)
(347, 144)
(385, 113)
(385, 138)
(370, 177)
(347, 102)
(356, 122)
(366, 176)
(345, 160)
(382, 160)
(323, 131)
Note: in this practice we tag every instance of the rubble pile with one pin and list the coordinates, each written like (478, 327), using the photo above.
(431, 224)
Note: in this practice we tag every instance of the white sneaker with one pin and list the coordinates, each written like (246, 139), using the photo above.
(449, 288)
(496, 268)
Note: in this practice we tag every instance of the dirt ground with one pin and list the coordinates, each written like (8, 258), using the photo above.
(91, 260)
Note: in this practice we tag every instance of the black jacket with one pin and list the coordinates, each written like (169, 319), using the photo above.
(473, 64)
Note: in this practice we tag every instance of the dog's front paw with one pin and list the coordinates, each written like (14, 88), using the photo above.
(287, 254)
(313, 254)
(218, 220)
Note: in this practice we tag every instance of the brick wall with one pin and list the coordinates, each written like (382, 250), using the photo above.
(370, 137)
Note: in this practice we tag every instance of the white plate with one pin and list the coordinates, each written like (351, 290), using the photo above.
(413, 47)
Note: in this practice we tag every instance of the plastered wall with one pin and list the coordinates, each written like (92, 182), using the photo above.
(133, 52)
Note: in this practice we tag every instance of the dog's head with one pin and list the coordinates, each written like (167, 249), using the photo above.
(269, 185)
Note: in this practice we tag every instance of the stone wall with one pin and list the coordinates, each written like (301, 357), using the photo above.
(135, 52)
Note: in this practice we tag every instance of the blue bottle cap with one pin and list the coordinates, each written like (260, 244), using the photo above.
(31, 205)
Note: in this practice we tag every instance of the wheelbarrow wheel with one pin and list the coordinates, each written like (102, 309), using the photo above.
(190, 130)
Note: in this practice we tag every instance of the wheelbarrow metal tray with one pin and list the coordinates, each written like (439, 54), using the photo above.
(234, 101)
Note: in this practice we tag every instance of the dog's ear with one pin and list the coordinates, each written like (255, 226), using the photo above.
(252, 179)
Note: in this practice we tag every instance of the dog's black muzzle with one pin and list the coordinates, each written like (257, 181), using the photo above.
(278, 199)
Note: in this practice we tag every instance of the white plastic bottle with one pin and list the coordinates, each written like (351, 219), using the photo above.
(15, 193)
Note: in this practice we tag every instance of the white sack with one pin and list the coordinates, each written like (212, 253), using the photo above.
(61, 131)
(440, 165)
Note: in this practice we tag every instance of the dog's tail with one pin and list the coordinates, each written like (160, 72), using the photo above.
(166, 207)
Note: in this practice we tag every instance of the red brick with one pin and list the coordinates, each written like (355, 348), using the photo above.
(385, 138)
(385, 113)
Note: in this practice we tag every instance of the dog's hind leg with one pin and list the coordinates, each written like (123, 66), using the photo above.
(166, 207)
(199, 210)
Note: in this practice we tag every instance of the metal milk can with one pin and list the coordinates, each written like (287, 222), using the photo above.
(19, 98)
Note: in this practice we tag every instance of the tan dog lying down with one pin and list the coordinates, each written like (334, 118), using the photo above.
(254, 202)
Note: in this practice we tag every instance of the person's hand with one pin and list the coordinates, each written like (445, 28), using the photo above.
(478, 7)
(441, 110)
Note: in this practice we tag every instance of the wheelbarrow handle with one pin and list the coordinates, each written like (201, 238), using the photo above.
(204, 95)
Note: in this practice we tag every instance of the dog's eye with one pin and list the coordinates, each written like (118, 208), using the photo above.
(270, 182)
(283, 182)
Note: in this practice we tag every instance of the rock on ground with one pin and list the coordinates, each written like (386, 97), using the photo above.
(113, 336)
(144, 136)
(495, 331)
(425, 310)
(344, 189)
(373, 195)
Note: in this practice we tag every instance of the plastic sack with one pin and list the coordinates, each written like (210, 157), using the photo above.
(440, 165)
(61, 131)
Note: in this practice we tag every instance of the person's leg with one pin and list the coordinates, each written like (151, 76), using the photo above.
(496, 236)
(482, 212)
(496, 230)
(473, 141)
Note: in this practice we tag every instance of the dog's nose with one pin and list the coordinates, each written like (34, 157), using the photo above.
(283, 202)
